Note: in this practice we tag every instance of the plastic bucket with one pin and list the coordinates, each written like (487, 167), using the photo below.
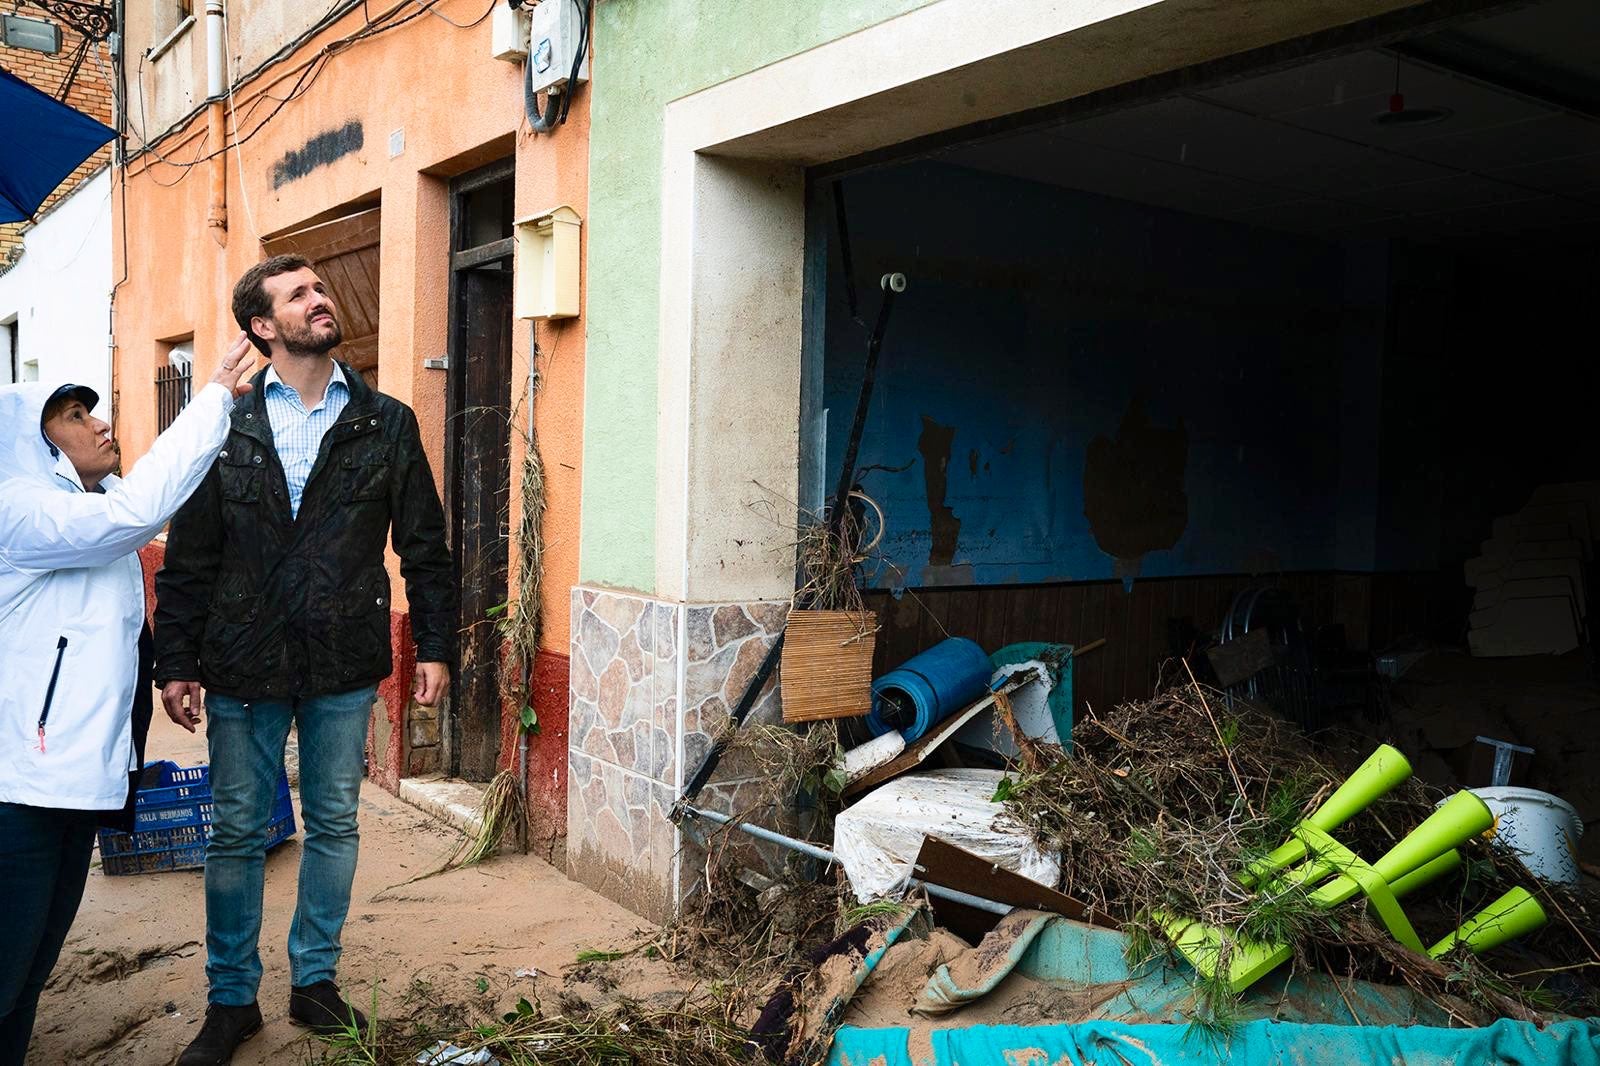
(911, 699)
(1542, 829)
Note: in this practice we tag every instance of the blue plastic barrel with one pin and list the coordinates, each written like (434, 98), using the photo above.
(929, 688)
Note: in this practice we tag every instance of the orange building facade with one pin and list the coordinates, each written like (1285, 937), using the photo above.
(389, 145)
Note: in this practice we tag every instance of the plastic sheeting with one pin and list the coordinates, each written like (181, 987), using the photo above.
(877, 840)
(1505, 1043)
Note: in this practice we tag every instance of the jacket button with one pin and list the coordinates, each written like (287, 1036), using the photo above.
(224, 453)
(257, 460)
(248, 416)
(373, 422)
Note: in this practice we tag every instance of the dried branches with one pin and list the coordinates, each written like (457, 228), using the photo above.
(1161, 803)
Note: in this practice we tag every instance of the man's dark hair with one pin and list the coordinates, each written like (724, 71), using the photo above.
(250, 299)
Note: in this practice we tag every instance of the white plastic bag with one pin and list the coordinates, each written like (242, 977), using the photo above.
(877, 840)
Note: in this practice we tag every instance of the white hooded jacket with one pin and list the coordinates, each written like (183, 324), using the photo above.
(72, 598)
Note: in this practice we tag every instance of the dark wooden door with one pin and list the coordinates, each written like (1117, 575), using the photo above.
(478, 456)
(481, 506)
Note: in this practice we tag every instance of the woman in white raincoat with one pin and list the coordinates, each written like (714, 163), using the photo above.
(71, 614)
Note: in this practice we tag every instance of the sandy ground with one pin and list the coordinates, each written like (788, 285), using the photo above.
(130, 986)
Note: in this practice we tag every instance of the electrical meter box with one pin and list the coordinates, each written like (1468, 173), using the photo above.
(508, 32)
(556, 29)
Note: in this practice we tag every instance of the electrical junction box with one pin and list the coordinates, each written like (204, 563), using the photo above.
(555, 29)
(545, 284)
(508, 32)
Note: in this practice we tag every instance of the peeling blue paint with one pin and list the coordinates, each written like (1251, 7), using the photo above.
(1037, 318)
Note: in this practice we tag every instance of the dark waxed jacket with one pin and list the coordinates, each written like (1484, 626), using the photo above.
(256, 604)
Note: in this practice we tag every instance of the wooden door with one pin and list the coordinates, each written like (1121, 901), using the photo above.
(478, 455)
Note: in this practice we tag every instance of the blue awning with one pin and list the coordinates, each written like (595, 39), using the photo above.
(41, 142)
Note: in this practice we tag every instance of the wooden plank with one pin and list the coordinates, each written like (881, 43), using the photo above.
(1046, 611)
(1241, 659)
(940, 862)
(1095, 691)
(991, 618)
(1116, 632)
(931, 628)
(483, 254)
(1070, 612)
(916, 754)
(1145, 651)
(328, 239)
(963, 613)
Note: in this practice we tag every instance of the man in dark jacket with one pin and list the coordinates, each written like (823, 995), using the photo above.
(275, 598)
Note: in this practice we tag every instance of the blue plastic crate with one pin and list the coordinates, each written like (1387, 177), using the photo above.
(172, 819)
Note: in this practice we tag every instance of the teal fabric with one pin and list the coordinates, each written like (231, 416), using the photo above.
(1505, 1043)
(1058, 659)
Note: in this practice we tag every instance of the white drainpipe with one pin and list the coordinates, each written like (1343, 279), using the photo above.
(216, 89)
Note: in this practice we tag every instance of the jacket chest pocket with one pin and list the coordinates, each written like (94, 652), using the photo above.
(241, 476)
(366, 474)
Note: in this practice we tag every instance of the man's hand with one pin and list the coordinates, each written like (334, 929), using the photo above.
(432, 680)
(231, 372)
(173, 694)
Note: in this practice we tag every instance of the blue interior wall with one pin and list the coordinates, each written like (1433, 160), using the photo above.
(1215, 387)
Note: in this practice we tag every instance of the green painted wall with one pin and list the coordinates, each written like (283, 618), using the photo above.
(648, 53)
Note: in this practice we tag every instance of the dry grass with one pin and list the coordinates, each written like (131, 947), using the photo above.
(690, 1033)
(829, 552)
(793, 761)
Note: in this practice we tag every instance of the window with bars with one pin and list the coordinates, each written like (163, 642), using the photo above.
(173, 383)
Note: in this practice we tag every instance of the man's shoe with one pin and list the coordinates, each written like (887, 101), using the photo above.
(322, 1008)
(225, 1029)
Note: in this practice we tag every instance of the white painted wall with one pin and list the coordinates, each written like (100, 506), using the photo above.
(58, 295)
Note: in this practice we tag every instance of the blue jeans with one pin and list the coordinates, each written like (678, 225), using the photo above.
(44, 861)
(246, 738)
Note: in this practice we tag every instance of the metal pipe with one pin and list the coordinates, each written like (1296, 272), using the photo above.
(822, 854)
(216, 89)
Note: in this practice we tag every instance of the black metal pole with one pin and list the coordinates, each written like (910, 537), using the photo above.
(891, 284)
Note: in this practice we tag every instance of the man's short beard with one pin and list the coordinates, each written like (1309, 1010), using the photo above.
(307, 342)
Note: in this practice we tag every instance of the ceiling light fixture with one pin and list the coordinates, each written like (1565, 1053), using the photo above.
(1401, 115)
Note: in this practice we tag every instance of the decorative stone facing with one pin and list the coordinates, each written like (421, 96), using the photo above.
(622, 689)
(726, 644)
(631, 746)
(623, 735)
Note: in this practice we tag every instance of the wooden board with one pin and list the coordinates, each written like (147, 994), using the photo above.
(826, 668)
(1241, 659)
(916, 754)
(940, 862)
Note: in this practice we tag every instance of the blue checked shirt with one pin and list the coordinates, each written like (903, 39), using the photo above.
(298, 433)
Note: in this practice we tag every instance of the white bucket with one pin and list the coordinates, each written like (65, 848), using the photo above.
(1542, 829)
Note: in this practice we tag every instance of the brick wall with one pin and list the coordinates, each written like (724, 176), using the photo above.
(90, 93)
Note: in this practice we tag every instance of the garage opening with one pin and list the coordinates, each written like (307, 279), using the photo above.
(1306, 351)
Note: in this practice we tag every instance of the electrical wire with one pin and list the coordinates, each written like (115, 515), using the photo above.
(463, 25)
(238, 153)
(309, 71)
